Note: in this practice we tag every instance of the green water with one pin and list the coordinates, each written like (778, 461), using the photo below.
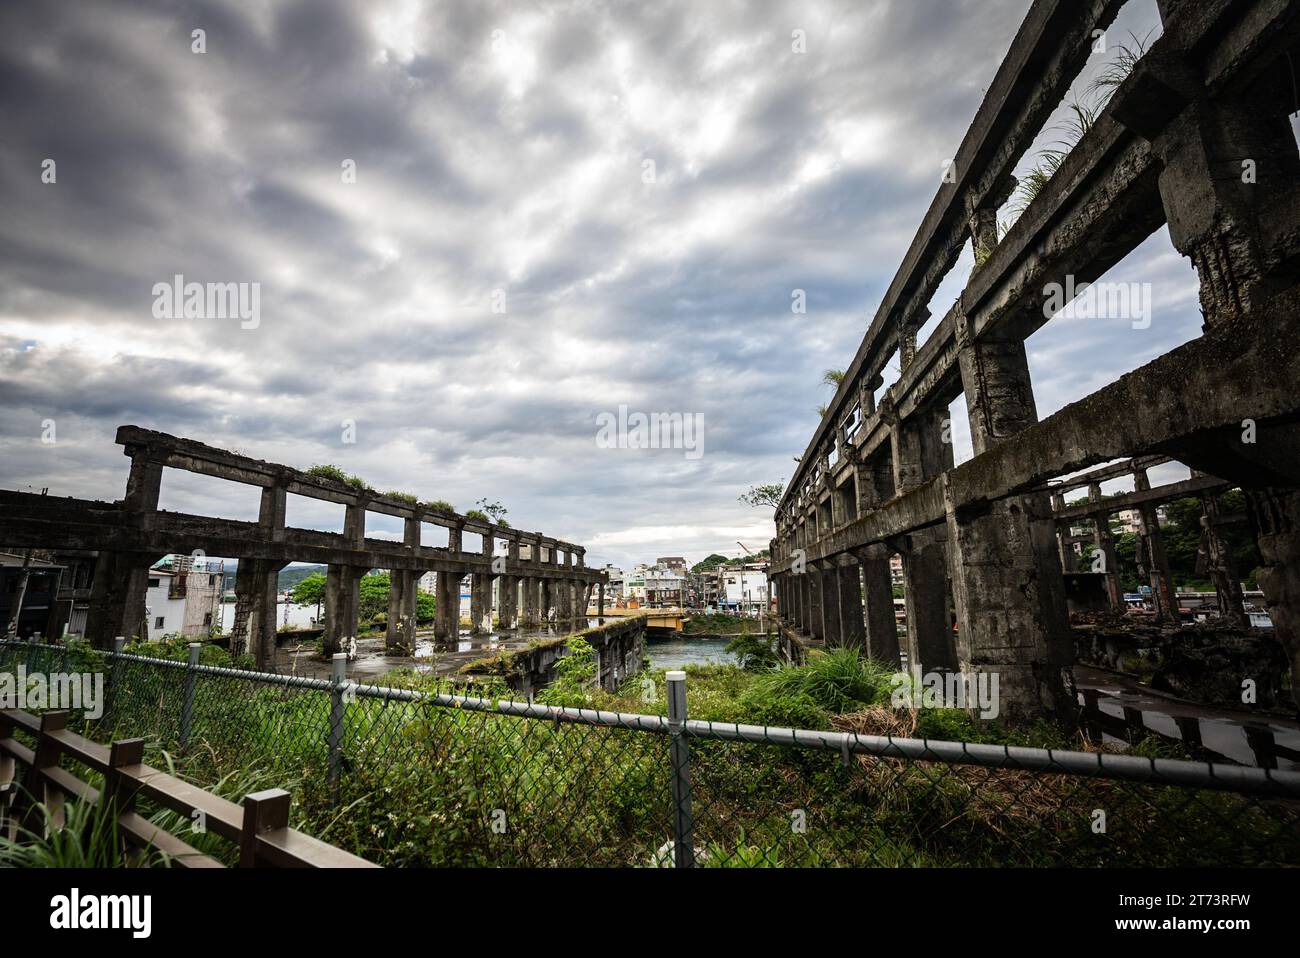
(678, 653)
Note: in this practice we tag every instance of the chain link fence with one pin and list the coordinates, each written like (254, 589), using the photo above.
(405, 777)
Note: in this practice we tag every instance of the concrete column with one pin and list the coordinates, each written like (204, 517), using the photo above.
(1218, 562)
(600, 599)
(930, 646)
(849, 582)
(508, 601)
(531, 603)
(342, 598)
(508, 589)
(564, 604)
(1152, 559)
(1007, 585)
(999, 395)
(255, 626)
(446, 622)
(919, 452)
(403, 589)
(1228, 184)
(117, 598)
(875, 485)
(816, 624)
(1275, 516)
(547, 598)
(1104, 542)
(1065, 547)
(881, 628)
(143, 483)
(480, 594)
(832, 630)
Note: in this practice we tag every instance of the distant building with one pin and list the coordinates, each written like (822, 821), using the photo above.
(614, 588)
(184, 597)
(664, 587)
(675, 563)
(742, 590)
(634, 584)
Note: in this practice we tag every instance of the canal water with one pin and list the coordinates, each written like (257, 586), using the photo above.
(679, 652)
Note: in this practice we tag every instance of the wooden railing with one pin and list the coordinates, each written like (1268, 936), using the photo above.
(259, 827)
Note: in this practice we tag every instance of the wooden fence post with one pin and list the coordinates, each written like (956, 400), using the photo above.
(263, 812)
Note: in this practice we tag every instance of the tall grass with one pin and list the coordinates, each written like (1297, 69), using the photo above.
(837, 680)
(1081, 117)
(88, 838)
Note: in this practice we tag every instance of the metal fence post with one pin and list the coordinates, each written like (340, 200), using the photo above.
(187, 701)
(338, 703)
(679, 753)
(114, 680)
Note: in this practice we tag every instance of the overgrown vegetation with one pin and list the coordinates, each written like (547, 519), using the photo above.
(1081, 115)
(754, 651)
(88, 838)
(718, 623)
(422, 784)
(327, 471)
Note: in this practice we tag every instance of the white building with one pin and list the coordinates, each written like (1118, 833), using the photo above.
(634, 584)
(613, 588)
(742, 589)
(183, 597)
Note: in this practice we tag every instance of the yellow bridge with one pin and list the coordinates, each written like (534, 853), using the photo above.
(655, 618)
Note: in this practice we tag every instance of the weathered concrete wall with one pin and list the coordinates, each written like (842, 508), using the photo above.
(618, 645)
(132, 534)
(1196, 137)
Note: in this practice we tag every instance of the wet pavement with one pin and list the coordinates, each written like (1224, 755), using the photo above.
(1222, 730)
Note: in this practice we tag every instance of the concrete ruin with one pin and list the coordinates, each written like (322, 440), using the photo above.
(618, 650)
(1198, 138)
(538, 578)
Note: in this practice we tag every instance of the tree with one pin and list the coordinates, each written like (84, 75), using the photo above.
(768, 494)
(374, 596)
(711, 562)
(495, 510)
(310, 591)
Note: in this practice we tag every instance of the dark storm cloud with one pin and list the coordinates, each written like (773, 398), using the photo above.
(486, 161)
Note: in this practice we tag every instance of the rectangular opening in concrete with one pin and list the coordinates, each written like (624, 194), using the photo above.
(889, 375)
(1142, 307)
(200, 495)
(848, 499)
(1137, 26)
(303, 512)
(471, 542)
(958, 431)
(382, 526)
(434, 536)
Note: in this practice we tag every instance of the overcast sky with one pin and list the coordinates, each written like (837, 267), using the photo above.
(497, 147)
